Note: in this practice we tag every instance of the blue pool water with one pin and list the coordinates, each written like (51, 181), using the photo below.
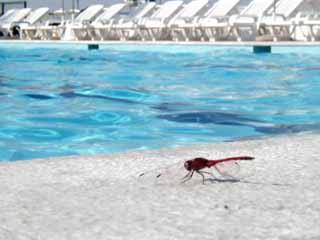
(66, 100)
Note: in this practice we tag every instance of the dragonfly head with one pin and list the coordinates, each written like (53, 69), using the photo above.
(187, 165)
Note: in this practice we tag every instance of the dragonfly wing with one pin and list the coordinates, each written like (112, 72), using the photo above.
(229, 169)
(170, 174)
(236, 169)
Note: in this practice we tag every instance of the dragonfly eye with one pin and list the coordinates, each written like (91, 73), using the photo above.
(187, 165)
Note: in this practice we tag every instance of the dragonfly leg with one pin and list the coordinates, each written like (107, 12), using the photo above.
(209, 173)
(188, 176)
(202, 175)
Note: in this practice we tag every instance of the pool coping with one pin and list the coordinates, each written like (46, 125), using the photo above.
(220, 43)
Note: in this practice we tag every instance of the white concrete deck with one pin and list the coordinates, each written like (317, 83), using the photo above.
(101, 197)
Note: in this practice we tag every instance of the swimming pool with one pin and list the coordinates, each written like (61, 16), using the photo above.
(66, 100)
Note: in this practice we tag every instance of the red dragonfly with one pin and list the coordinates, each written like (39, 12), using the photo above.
(197, 164)
(228, 168)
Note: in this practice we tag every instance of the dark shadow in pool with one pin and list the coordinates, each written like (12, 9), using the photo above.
(238, 120)
(4, 81)
(211, 117)
(72, 94)
(38, 96)
(232, 67)
(289, 128)
(169, 107)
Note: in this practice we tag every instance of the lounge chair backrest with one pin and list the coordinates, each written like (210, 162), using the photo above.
(167, 9)
(18, 15)
(36, 15)
(7, 14)
(147, 8)
(222, 8)
(287, 7)
(89, 13)
(257, 7)
(110, 12)
(192, 8)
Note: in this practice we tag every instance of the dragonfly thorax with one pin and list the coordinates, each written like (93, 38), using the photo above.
(196, 164)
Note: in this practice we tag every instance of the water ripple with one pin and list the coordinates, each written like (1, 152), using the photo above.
(67, 100)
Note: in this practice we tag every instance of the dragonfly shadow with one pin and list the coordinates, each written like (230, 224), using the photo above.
(269, 184)
(220, 180)
(235, 180)
(261, 183)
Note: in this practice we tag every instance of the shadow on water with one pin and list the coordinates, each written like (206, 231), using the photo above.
(4, 81)
(171, 112)
(233, 119)
(2, 84)
(68, 93)
(170, 107)
(72, 94)
(234, 66)
(289, 128)
(210, 117)
(96, 96)
(38, 96)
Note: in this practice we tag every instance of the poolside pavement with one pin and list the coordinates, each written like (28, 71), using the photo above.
(102, 197)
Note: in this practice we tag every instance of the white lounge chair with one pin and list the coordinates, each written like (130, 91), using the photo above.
(183, 24)
(309, 28)
(68, 29)
(155, 27)
(244, 25)
(51, 30)
(76, 30)
(101, 27)
(28, 27)
(126, 28)
(4, 18)
(214, 25)
(6, 15)
(282, 23)
(13, 17)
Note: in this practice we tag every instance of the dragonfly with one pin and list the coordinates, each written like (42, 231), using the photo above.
(227, 168)
(197, 164)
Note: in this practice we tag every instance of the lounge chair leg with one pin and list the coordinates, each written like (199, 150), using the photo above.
(313, 34)
(236, 33)
(185, 35)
